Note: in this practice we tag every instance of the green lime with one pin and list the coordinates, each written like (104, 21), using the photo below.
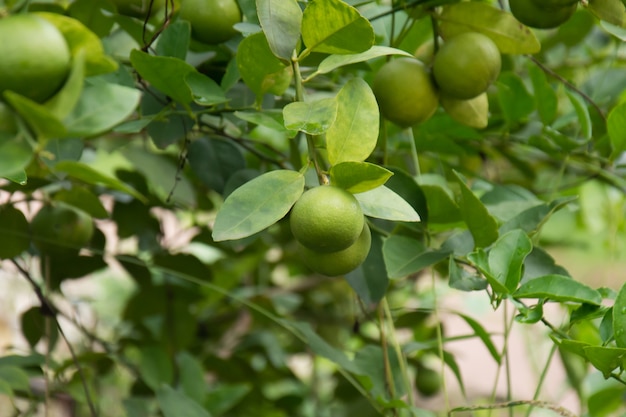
(473, 112)
(405, 92)
(341, 262)
(326, 219)
(211, 21)
(466, 65)
(35, 56)
(530, 14)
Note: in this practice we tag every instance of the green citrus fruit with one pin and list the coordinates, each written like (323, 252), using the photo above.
(326, 219)
(427, 381)
(138, 8)
(211, 20)
(530, 14)
(466, 65)
(61, 230)
(552, 4)
(341, 262)
(405, 92)
(34, 56)
(14, 232)
(473, 112)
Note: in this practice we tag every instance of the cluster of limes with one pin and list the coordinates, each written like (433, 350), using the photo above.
(543, 14)
(463, 68)
(330, 229)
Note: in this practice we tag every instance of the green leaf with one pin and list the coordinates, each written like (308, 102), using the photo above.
(205, 91)
(333, 62)
(506, 258)
(358, 177)
(15, 377)
(15, 155)
(163, 175)
(545, 96)
(80, 38)
(64, 101)
(616, 126)
(174, 40)
(155, 366)
(370, 280)
(354, 134)
(166, 74)
(281, 21)
(483, 335)
(271, 119)
(101, 107)
(224, 397)
(84, 199)
(480, 259)
(312, 117)
(442, 209)
(606, 359)
(515, 101)
(320, 347)
(334, 27)
(45, 124)
(481, 224)
(500, 26)
(403, 184)
(558, 288)
(33, 324)
(258, 204)
(191, 376)
(383, 203)
(584, 119)
(89, 175)
(214, 161)
(14, 230)
(619, 318)
(405, 256)
(462, 279)
(612, 11)
(259, 68)
(176, 404)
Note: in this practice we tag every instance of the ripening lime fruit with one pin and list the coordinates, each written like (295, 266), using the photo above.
(326, 219)
(473, 112)
(531, 14)
(61, 230)
(466, 65)
(34, 56)
(427, 381)
(405, 92)
(138, 8)
(340, 262)
(211, 21)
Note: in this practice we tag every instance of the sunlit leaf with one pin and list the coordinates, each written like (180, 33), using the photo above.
(358, 177)
(333, 62)
(258, 204)
(506, 258)
(312, 117)
(281, 21)
(558, 288)
(354, 134)
(383, 203)
(334, 27)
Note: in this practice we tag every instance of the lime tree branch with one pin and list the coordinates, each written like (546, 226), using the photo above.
(568, 84)
(509, 404)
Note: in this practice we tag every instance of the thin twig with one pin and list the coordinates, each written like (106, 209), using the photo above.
(567, 84)
(509, 404)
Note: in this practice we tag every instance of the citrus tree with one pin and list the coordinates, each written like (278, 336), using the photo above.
(267, 200)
